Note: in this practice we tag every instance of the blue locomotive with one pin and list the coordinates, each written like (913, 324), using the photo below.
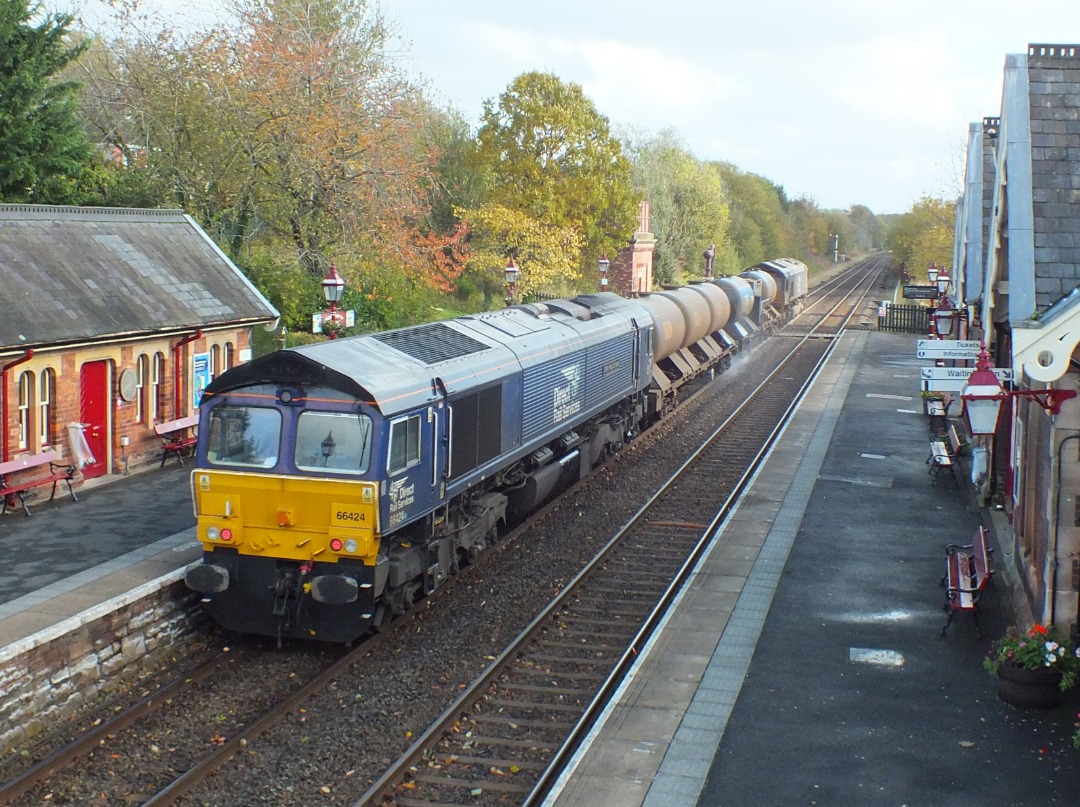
(338, 483)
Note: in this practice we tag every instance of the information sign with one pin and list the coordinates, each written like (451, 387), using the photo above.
(947, 349)
(921, 293)
(954, 379)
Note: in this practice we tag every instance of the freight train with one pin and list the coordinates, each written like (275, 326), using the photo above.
(338, 483)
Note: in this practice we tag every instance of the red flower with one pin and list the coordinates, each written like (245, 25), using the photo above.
(1038, 629)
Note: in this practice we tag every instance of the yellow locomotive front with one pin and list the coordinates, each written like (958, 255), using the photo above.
(288, 523)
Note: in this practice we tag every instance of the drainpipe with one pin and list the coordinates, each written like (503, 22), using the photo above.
(177, 374)
(4, 454)
(1057, 530)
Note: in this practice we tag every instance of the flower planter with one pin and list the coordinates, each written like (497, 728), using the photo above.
(1029, 689)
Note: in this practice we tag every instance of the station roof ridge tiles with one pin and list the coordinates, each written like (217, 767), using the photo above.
(74, 274)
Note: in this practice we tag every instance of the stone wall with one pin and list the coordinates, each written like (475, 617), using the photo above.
(47, 679)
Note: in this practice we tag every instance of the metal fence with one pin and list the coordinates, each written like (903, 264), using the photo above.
(904, 319)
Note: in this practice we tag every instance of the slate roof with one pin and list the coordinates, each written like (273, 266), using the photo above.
(71, 274)
(1054, 104)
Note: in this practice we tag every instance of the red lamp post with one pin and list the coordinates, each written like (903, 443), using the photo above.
(983, 396)
(511, 274)
(333, 286)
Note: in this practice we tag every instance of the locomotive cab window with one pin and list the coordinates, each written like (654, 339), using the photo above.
(333, 441)
(244, 435)
(404, 444)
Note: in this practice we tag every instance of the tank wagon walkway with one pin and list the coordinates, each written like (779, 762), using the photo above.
(803, 663)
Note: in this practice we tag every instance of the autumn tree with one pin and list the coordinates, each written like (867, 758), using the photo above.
(547, 153)
(688, 206)
(43, 148)
(924, 234)
(290, 129)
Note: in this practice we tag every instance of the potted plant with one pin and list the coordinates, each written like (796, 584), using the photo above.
(1033, 669)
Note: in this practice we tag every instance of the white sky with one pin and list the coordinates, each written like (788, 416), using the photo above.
(843, 101)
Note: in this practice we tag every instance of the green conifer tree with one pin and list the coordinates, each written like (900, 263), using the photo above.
(43, 147)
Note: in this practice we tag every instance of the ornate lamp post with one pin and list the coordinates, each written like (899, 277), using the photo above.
(604, 265)
(983, 396)
(943, 317)
(943, 281)
(333, 286)
(511, 273)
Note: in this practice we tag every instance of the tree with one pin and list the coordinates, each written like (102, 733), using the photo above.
(43, 146)
(292, 126)
(549, 154)
(924, 234)
(689, 209)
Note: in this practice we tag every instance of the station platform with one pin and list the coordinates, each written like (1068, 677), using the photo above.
(803, 663)
(71, 561)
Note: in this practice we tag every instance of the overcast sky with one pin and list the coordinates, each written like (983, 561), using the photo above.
(842, 101)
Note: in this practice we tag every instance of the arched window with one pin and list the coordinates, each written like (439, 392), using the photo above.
(46, 385)
(157, 391)
(26, 394)
(230, 355)
(215, 361)
(142, 370)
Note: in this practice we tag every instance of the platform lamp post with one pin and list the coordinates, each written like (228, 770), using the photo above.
(333, 286)
(932, 273)
(983, 395)
(511, 274)
(604, 264)
(943, 281)
(943, 317)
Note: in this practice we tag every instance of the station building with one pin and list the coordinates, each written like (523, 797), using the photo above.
(112, 321)
(1017, 252)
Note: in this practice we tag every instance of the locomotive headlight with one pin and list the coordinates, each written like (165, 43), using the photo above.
(350, 545)
(212, 533)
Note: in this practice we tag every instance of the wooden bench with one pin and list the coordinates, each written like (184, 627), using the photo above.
(957, 447)
(936, 413)
(177, 437)
(940, 461)
(967, 572)
(12, 489)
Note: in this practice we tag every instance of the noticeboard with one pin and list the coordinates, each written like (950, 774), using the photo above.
(921, 293)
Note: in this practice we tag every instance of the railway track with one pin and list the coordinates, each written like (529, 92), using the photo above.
(583, 641)
(508, 735)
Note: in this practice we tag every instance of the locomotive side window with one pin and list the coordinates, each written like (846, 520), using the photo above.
(244, 435)
(333, 441)
(404, 444)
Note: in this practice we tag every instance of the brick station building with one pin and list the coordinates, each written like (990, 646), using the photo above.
(111, 321)
(1018, 254)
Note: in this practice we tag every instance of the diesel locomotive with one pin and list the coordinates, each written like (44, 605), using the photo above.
(338, 483)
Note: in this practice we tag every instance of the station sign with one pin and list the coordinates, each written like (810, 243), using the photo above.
(921, 293)
(954, 379)
(948, 349)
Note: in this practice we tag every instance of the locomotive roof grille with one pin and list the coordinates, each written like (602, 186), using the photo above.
(431, 343)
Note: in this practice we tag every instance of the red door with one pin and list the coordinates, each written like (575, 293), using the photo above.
(94, 413)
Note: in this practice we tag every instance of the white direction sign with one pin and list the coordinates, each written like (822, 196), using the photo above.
(948, 349)
(953, 379)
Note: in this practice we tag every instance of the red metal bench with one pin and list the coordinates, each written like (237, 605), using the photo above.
(178, 437)
(11, 489)
(967, 573)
